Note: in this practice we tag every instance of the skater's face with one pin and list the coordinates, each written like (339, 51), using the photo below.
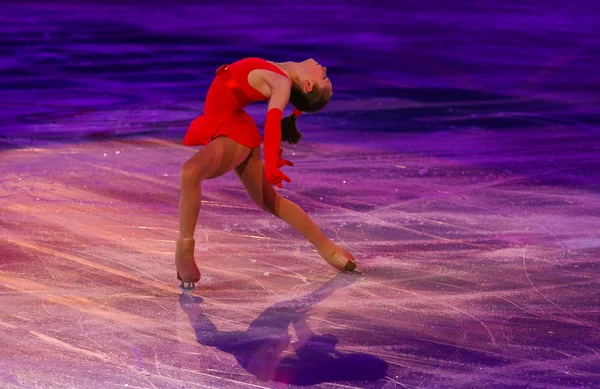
(315, 74)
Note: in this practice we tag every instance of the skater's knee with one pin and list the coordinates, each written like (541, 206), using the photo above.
(191, 174)
(268, 209)
(270, 204)
(260, 201)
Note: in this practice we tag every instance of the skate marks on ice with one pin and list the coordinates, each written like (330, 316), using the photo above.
(478, 262)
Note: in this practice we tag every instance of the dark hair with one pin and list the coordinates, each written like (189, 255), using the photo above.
(289, 132)
(312, 101)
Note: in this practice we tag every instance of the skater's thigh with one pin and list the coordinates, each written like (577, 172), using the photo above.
(217, 158)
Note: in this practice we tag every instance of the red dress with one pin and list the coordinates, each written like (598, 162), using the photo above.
(226, 99)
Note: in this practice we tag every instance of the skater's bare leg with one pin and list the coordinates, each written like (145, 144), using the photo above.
(265, 196)
(217, 158)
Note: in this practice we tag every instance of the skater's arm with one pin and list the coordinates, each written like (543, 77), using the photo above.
(280, 96)
(280, 89)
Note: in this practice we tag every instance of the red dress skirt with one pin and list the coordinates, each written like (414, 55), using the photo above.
(238, 126)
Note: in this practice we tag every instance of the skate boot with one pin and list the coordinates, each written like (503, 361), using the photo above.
(340, 259)
(187, 271)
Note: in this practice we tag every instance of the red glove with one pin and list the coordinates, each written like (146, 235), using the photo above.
(276, 178)
(283, 162)
(272, 149)
(279, 176)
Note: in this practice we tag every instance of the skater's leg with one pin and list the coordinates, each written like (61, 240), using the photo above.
(217, 158)
(265, 196)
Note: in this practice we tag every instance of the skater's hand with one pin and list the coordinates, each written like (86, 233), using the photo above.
(283, 162)
(275, 177)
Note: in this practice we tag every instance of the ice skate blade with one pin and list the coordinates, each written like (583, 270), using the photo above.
(187, 287)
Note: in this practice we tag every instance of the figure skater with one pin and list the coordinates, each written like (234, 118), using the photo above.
(232, 142)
